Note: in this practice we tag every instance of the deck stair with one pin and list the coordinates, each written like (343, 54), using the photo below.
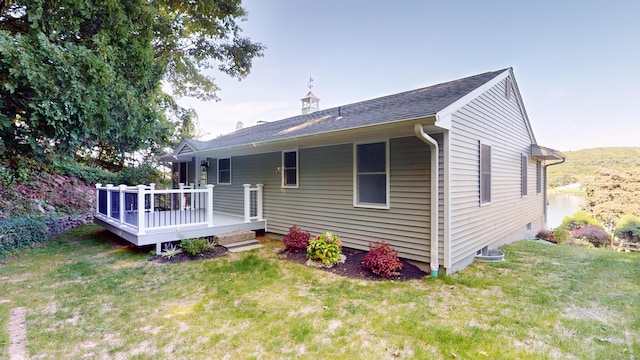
(237, 241)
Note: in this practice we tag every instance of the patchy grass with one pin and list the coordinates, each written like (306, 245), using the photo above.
(88, 296)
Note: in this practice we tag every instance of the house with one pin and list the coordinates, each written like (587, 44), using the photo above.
(442, 173)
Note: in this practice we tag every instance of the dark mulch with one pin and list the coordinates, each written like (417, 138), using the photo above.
(216, 252)
(351, 267)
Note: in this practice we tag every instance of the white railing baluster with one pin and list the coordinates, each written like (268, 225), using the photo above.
(98, 186)
(141, 227)
(122, 208)
(247, 202)
(152, 201)
(109, 187)
(209, 205)
(259, 201)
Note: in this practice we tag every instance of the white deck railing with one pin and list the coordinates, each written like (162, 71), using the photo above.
(142, 207)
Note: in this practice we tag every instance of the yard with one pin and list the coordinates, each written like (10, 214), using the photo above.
(86, 295)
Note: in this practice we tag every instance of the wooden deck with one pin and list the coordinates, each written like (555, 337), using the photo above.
(189, 215)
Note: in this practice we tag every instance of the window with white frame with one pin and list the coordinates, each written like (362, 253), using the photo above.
(485, 174)
(224, 171)
(524, 162)
(371, 175)
(290, 168)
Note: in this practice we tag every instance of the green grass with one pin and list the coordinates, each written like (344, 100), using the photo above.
(90, 297)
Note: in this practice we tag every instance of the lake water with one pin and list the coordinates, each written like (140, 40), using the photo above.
(561, 205)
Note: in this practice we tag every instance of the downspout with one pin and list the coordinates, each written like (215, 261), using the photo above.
(435, 182)
(545, 187)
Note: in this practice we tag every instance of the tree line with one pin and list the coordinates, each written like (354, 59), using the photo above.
(83, 79)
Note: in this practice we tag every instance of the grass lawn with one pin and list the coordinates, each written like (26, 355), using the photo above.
(87, 296)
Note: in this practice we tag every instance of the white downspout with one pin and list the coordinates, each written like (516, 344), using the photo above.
(435, 185)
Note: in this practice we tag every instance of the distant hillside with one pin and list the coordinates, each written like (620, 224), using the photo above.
(583, 163)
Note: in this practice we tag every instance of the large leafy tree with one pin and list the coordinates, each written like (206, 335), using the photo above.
(612, 194)
(80, 76)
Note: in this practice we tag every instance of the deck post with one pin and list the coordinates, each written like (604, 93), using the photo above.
(209, 205)
(247, 202)
(181, 196)
(141, 209)
(259, 201)
(192, 197)
(158, 248)
(109, 188)
(121, 191)
(152, 205)
(98, 185)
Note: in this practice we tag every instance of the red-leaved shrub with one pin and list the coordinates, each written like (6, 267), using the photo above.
(547, 235)
(382, 260)
(593, 234)
(296, 239)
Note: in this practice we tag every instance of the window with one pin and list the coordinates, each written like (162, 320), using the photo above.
(224, 171)
(538, 177)
(371, 176)
(290, 169)
(485, 174)
(524, 162)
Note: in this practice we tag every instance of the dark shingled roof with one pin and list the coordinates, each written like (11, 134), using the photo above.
(406, 105)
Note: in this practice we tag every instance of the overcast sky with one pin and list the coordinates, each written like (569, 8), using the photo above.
(576, 62)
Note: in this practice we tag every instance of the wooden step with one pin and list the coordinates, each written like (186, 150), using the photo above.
(243, 246)
(234, 237)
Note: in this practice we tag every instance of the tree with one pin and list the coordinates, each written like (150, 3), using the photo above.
(84, 77)
(611, 194)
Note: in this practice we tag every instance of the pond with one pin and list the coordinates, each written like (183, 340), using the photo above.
(561, 205)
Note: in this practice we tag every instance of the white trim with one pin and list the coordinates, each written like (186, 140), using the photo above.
(446, 208)
(443, 117)
(218, 170)
(356, 203)
(297, 185)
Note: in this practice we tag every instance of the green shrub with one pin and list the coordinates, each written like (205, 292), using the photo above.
(560, 234)
(325, 248)
(17, 233)
(195, 246)
(142, 174)
(579, 219)
(86, 174)
(628, 227)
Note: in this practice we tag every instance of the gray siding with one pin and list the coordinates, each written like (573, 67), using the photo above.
(495, 120)
(324, 199)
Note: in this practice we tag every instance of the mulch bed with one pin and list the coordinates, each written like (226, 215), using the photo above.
(216, 252)
(351, 267)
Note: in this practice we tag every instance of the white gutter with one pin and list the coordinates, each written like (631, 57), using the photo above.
(435, 182)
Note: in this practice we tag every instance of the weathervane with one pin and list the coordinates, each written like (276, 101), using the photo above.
(310, 81)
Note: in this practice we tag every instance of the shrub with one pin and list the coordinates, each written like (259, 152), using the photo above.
(579, 219)
(593, 234)
(547, 235)
(195, 246)
(382, 260)
(325, 248)
(296, 239)
(560, 234)
(17, 233)
(628, 227)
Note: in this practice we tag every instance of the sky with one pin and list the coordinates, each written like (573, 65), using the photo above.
(576, 63)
